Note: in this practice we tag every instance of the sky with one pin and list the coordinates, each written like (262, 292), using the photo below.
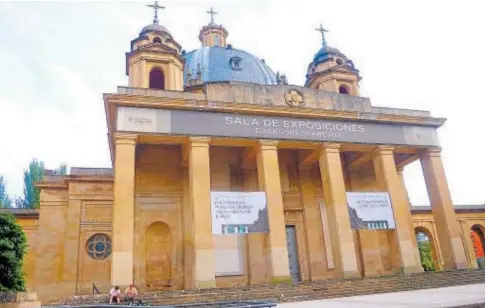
(58, 58)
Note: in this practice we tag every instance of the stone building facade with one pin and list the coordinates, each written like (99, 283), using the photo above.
(219, 119)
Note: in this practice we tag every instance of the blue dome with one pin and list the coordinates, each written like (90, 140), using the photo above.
(325, 53)
(227, 64)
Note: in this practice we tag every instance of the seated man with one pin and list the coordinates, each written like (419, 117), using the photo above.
(115, 293)
(130, 293)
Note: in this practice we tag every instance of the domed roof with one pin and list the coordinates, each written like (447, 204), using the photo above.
(227, 64)
(325, 53)
(154, 28)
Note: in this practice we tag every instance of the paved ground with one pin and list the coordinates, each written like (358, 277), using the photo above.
(441, 297)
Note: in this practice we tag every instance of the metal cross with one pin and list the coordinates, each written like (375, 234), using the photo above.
(322, 30)
(212, 13)
(156, 7)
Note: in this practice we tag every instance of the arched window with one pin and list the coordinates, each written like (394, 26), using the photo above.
(343, 89)
(157, 40)
(217, 40)
(157, 79)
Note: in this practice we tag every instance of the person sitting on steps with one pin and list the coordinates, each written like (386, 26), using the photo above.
(130, 293)
(115, 293)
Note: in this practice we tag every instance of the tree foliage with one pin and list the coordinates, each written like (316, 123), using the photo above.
(13, 245)
(33, 174)
(426, 255)
(62, 170)
(5, 201)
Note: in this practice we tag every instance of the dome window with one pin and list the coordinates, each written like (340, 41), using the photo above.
(343, 89)
(235, 63)
(157, 40)
(339, 61)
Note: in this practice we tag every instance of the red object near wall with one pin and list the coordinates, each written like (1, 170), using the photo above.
(477, 244)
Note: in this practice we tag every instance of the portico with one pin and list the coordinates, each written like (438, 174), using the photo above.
(305, 171)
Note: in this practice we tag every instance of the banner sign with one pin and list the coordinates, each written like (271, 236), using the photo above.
(219, 124)
(239, 212)
(370, 210)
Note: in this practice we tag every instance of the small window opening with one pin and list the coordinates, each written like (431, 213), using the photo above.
(157, 79)
(339, 61)
(343, 89)
(157, 40)
(236, 63)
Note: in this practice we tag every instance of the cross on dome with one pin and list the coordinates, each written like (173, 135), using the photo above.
(212, 13)
(322, 30)
(156, 7)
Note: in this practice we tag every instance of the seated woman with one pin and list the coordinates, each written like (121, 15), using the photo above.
(115, 293)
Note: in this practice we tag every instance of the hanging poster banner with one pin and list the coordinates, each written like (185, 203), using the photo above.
(239, 212)
(370, 210)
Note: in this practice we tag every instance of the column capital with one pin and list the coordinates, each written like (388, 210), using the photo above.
(121, 138)
(384, 150)
(268, 144)
(433, 152)
(199, 141)
(331, 148)
(400, 170)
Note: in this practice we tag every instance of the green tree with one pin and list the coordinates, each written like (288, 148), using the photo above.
(34, 174)
(62, 170)
(5, 201)
(426, 255)
(13, 245)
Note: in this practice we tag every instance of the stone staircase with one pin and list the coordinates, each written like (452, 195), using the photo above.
(302, 291)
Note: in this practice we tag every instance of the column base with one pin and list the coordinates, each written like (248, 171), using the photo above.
(209, 284)
(281, 280)
(412, 269)
(351, 274)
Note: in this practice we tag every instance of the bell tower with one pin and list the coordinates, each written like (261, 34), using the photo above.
(332, 71)
(154, 60)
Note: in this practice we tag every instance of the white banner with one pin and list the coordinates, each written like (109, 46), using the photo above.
(238, 212)
(370, 210)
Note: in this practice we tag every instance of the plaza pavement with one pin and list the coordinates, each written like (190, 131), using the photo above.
(440, 297)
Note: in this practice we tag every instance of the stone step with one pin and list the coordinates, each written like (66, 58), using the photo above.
(304, 291)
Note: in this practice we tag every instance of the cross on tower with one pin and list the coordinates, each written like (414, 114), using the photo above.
(322, 30)
(212, 13)
(156, 7)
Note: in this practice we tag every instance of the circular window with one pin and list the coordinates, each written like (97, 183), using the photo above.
(339, 61)
(98, 246)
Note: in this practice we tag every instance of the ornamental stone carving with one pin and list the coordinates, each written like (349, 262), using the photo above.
(294, 98)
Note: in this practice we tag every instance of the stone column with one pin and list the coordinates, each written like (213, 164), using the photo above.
(414, 240)
(269, 181)
(342, 238)
(313, 226)
(123, 210)
(443, 212)
(200, 205)
(257, 248)
(388, 180)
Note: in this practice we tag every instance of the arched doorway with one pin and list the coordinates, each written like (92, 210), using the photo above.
(427, 249)
(157, 79)
(478, 240)
(158, 255)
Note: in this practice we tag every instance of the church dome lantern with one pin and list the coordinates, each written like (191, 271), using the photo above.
(217, 61)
